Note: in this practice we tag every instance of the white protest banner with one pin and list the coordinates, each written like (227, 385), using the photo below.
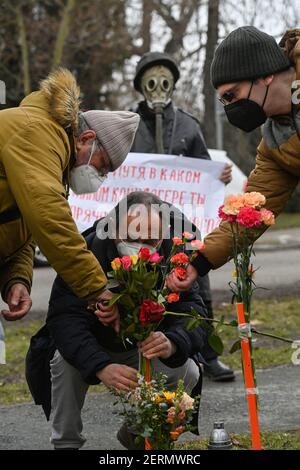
(191, 184)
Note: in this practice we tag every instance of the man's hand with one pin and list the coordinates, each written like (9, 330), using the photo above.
(118, 376)
(178, 285)
(109, 316)
(226, 175)
(19, 302)
(157, 345)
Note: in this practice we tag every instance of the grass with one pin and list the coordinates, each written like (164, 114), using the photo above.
(13, 386)
(286, 220)
(280, 317)
(270, 441)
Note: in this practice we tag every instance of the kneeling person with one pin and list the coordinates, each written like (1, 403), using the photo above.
(88, 349)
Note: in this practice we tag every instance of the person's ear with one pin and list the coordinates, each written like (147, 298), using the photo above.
(84, 138)
(268, 80)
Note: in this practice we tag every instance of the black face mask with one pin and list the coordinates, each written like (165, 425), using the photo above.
(246, 114)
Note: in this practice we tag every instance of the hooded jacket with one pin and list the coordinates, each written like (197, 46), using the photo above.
(36, 146)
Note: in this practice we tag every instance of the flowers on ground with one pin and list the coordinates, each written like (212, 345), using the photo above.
(156, 414)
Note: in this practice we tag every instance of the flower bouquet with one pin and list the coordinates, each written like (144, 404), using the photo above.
(143, 297)
(157, 415)
(247, 218)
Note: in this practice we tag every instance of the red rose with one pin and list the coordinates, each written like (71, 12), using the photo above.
(150, 312)
(144, 254)
(180, 272)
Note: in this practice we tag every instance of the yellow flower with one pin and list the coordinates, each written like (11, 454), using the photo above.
(169, 396)
(134, 259)
(116, 264)
(158, 399)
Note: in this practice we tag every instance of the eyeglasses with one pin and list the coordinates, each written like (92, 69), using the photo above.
(229, 95)
(226, 98)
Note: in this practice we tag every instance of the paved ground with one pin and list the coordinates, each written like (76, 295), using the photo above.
(24, 426)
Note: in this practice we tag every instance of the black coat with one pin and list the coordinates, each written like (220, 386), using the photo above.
(80, 337)
(182, 133)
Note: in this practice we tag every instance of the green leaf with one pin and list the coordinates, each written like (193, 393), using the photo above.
(191, 324)
(216, 343)
(114, 299)
(233, 323)
(161, 299)
(235, 347)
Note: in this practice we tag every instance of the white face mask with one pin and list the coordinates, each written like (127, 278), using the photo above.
(86, 178)
(133, 248)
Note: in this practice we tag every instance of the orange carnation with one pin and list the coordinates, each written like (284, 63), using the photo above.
(180, 258)
(267, 217)
(254, 199)
(233, 204)
(180, 272)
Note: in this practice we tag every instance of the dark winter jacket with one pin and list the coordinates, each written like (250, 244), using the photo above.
(182, 134)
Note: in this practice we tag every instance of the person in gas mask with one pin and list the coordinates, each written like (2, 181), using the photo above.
(45, 146)
(166, 129)
(257, 81)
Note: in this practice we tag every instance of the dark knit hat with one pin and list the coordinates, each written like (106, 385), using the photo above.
(246, 54)
(150, 59)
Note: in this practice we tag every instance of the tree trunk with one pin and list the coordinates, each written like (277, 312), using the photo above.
(208, 90)
(24, 49)
(63, 33)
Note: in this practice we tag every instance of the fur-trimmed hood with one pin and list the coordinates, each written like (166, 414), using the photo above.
(63, 95)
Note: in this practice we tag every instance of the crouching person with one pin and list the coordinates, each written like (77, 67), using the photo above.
(86, 345)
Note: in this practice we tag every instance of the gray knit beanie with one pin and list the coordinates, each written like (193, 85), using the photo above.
(115, 131)
(246, 54)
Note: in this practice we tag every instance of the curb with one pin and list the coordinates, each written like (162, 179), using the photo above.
(279, 247)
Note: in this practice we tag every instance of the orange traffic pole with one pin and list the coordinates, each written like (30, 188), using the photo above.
(249, 382)
(147, 378)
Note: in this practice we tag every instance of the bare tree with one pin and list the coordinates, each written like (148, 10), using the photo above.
(208, 91)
